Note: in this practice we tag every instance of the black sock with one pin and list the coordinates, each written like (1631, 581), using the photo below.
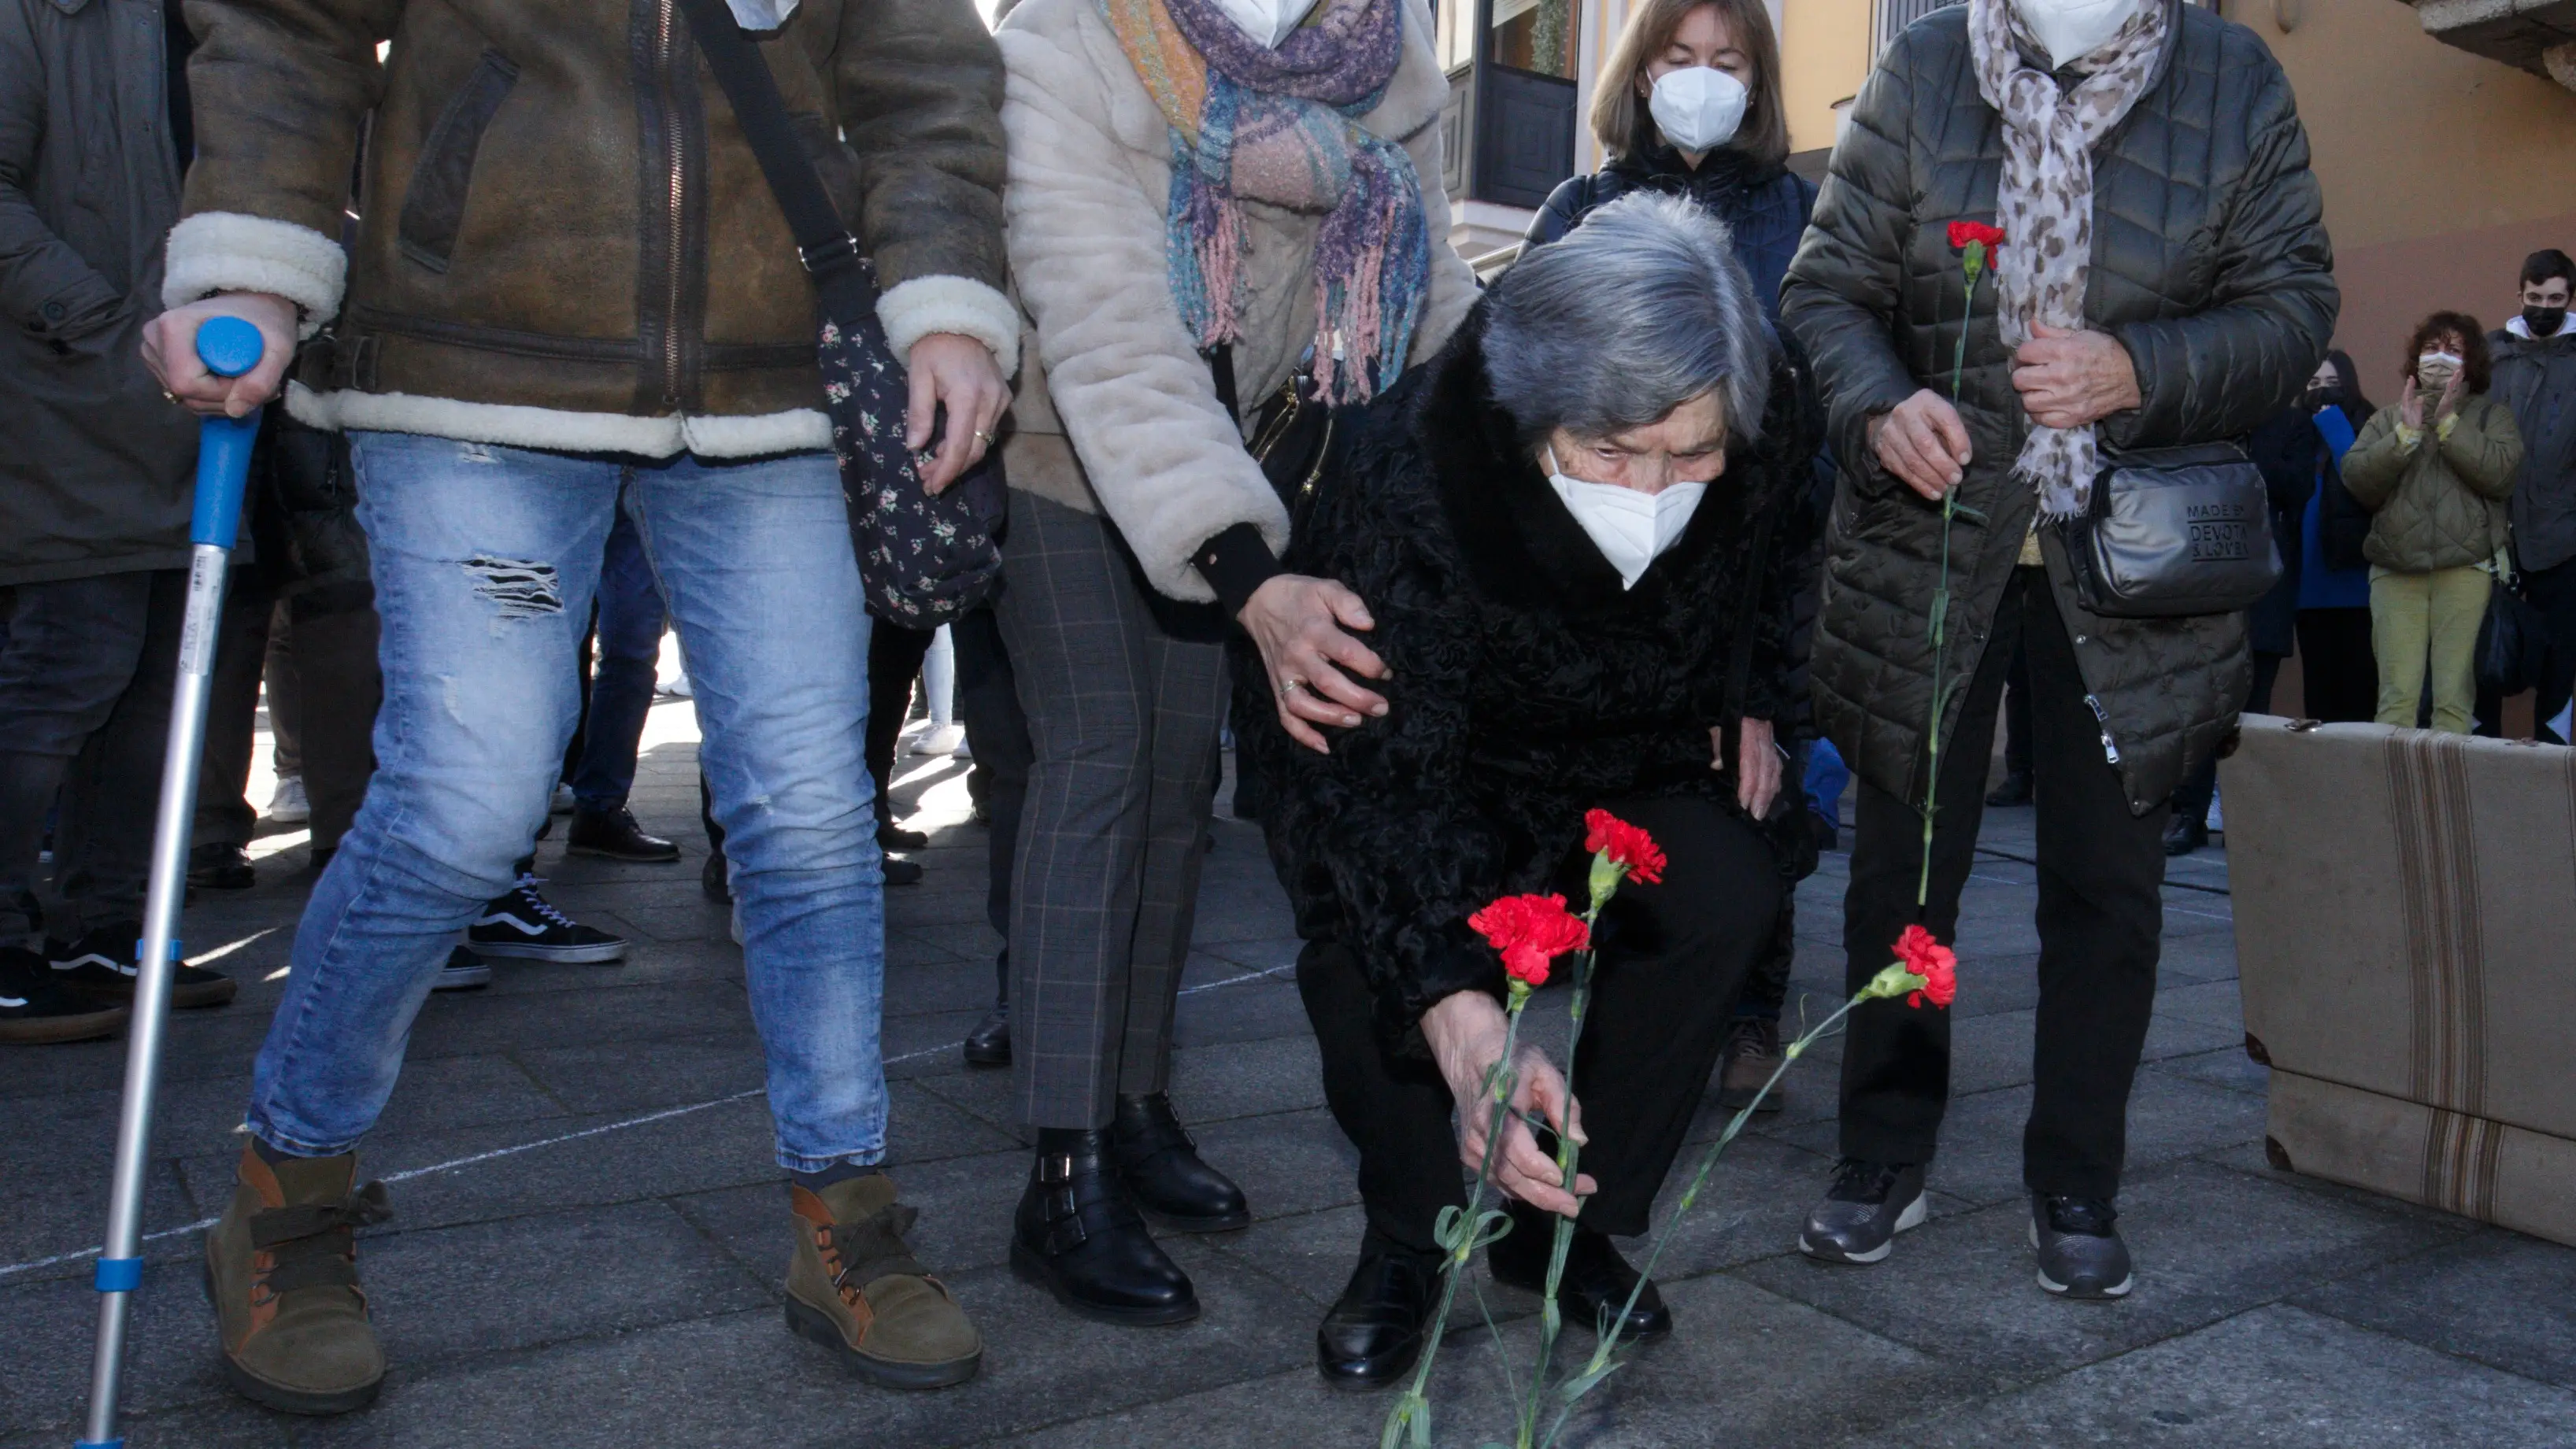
(837, 1172)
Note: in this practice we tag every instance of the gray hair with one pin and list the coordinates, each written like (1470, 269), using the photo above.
(1635, 312)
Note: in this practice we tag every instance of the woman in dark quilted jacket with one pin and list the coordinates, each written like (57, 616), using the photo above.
(2165, 280)
(1580, 545)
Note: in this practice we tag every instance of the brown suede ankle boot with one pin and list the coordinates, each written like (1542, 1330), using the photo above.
(854, 1287)
(282, 1269)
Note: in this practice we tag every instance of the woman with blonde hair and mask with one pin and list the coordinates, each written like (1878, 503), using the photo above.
(1689, 105)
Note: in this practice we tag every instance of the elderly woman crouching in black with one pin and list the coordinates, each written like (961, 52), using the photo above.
(1575, 540)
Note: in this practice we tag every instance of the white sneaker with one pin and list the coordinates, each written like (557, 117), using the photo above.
(287, 805)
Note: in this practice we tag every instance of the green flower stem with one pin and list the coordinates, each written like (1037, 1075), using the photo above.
(1600, 1365)
(1568, 1153)
(1971, 263)
(1411, 1416)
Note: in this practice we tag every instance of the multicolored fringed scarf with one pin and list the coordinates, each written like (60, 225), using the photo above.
(1281, 127)
(2045, 203)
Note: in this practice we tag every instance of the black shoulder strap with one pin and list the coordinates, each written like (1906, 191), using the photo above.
(822, 240)
(1220, 361)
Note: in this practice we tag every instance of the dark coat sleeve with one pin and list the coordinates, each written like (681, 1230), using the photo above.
(1387, 824)
(920, 89)
(2270, 307)
(1841, 295)
(1564, 208)
(1776, 687)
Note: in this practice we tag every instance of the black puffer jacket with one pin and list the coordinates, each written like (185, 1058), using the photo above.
(2210, 264)
(1528, 686)
(1765, 206)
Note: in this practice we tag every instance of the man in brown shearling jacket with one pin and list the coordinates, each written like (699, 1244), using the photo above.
(571, 290)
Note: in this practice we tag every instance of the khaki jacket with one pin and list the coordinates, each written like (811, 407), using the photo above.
(563, 239)
(2438, 502)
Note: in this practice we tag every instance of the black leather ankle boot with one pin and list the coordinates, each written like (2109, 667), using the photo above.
(1078, 1235)
(1165, 1173)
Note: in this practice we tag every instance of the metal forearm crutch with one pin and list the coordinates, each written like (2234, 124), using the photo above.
(229, 347)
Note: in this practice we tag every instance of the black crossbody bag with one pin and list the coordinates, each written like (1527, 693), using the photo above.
(2172, 533)
(923, 560)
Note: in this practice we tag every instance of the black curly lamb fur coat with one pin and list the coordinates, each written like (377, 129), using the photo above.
(1527, 686)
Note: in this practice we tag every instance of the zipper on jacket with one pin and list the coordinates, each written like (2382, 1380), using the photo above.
(2110, 749)
(665, 40)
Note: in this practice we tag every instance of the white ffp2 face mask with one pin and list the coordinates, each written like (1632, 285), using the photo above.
(1630, 528)
(1267, 21)
(2072, 29)
(1698, 107)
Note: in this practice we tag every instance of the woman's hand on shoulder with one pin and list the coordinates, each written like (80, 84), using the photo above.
(1300, 623)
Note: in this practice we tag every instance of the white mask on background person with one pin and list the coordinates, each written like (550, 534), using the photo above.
(2436, 369)
(2072, 29)
(761, 14)
(1630, 528)
(1698, 107)
(1268, 22)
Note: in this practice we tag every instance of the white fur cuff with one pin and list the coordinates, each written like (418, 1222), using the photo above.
(925, 305)
(798, 430)
(228, 251)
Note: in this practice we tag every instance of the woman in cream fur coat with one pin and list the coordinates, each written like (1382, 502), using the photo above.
(1142, 530)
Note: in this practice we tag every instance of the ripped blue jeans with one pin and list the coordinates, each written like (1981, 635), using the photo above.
(486, 559)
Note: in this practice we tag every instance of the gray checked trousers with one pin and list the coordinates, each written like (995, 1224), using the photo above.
(1123, 721)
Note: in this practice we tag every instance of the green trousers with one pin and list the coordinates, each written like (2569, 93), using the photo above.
(2426, 626)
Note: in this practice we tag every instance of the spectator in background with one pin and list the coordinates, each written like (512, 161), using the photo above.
(2338, 677)
(94, 498)
(2535, 378)
(2434, 470)
(2284, 446)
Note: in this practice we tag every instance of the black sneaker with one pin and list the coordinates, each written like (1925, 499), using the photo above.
(2014, 791)
(523, 925)
(220, 867)
(1868, 1205)
(464, 971)
(34, 1009)
(901, 872)
(100, 967)
(891, 836)
(2080, 1252)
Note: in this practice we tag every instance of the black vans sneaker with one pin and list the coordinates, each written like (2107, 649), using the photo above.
(2080, 1252)
(1868, 1205)
(524, 925)
(34, 1009)
(100, 967)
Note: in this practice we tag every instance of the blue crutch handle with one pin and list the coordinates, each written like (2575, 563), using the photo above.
(229, 347)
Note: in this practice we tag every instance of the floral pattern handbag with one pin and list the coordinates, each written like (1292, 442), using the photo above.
(923, 560)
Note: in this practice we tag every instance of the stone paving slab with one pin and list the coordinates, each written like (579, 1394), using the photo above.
(590, 1250)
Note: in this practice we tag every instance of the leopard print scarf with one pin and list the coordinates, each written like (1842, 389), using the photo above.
(2046, 203)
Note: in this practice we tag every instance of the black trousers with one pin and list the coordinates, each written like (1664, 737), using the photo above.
(331, 638)
(894, 662)
(988, 703)
(2338, 673)
(2101, 917)
(2553, 592)
(1673, 958)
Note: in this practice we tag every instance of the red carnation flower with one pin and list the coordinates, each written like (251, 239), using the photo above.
(1937, 964)
(1530, 931)
(1628, 846)
(1964, 232)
